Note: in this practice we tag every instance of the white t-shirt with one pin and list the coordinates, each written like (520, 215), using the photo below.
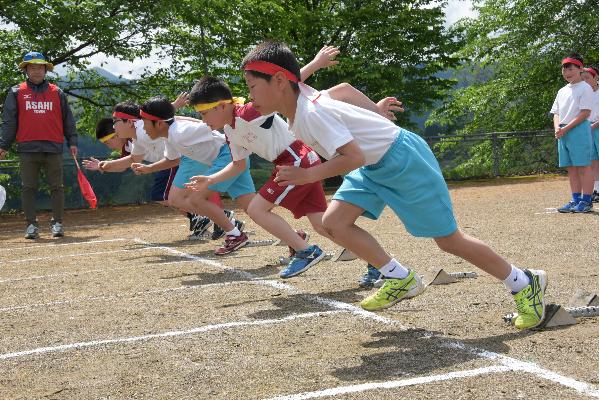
(194, 140)
(326, 124)
(594, 117)
(267, 136)
(570, 100)
(151, 150)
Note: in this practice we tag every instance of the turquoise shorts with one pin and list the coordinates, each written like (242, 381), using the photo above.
(574, 148)
(595, 149)
(409, 180)
(235, 187)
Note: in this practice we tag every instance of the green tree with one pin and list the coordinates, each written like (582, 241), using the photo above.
(513, 50)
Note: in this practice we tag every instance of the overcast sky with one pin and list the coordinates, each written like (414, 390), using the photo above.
(455, 10)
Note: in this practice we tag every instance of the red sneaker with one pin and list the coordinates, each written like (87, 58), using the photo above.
(231, 244)
(304, 236)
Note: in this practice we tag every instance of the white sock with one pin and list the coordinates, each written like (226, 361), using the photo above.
(234, 232)
(596, 186)
(516, 280)
(393, 269)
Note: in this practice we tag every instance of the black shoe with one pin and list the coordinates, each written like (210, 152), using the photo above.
(200, 228)
(595, 197)
(219, 232)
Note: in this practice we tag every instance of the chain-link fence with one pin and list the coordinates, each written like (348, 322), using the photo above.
(461, 157)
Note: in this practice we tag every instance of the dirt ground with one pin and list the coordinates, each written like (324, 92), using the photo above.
(124, 307)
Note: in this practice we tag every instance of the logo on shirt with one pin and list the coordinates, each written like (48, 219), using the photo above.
(312, 157)
(270, 191)
(26, 96)
(38, 107)
(250, 137)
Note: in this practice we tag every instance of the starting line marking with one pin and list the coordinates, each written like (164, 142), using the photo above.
(63, 244)
(579, 386)
(118, 296)
(95, 253)
(206, 328)
(394, 384)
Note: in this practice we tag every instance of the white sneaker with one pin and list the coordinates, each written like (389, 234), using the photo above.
(56, 230)
(32, 232)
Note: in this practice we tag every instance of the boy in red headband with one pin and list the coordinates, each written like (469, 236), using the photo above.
(197, 149)
(590, 75)
(268, 136)
(571, 110)
(389, 166)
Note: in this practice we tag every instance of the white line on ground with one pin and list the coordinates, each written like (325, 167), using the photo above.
(55, 257)
(63, 244)
(206, 328)
(393, 384)
(581, 387)
(119, 296)
(91, 271)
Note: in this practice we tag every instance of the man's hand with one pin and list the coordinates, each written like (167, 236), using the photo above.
(288, 175)
(388, 106)
(559, 133)
(198, 183)
(3, 153)
(93, 164)
(326, 57)
(140, 169)
(181, 101)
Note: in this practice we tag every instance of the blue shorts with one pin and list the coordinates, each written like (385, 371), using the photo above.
(162, 184)
(235, 187)
(574, 148)
(595, 149)
(409, 180)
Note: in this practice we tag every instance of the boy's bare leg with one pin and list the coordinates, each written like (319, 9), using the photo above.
(574, 178)
(339, 222)
(259, 211)
(476, 252)
(244, 200)
(587, 179)
(316, 222)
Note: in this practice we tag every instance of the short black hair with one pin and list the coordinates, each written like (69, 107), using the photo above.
(160, 107)
(593, 66)
(209, 89)
(276, 53)
(128, 107)
(575, 56)
(104, 128)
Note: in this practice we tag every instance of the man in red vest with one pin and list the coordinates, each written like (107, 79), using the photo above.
(37, 115)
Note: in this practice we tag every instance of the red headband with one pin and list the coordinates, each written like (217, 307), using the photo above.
(270, 69)
(151, 117)
(118, 114)
(574, 61)
(591, 71)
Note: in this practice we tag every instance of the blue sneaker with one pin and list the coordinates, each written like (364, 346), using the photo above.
(583, 207)
(370, 277)
(567, 208)
(302, 260)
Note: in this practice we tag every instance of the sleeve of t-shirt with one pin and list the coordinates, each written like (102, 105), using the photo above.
(317, 126)
(555, 106)
(586, 99)
(138, 149)
(170, 152)
(238, 152)
(247, 112)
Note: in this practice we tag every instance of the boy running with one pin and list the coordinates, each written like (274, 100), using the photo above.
(389, 166)
(199, 151)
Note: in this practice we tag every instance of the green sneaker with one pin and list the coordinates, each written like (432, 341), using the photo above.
(394, 291)
(530, 301)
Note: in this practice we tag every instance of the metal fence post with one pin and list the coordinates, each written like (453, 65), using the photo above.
(495, 147)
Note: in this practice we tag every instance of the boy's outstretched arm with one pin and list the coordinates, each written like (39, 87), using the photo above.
(348, 94)
(350, 157)
(323, 59)
(200, 182)
(160, 165)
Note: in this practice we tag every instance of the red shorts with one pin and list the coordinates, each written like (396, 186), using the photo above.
(302, 199)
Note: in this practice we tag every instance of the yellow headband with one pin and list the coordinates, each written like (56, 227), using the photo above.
(106, 138)
(207, 106)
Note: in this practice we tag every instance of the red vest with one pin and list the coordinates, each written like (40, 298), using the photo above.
(40, 116)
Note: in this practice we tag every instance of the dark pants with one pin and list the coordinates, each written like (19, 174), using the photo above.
(31, 164)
